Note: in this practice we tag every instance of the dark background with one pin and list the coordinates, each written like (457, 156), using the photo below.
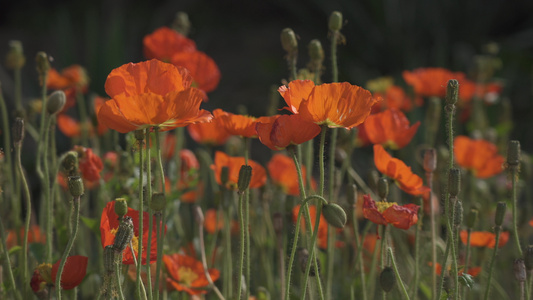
(382, 38)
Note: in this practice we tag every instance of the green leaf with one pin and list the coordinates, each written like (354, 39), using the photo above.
(466, 280)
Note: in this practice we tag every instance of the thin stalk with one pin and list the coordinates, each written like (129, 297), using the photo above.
(497, 230)
(161, 236)
(418, 255)
(141, 214)
(228, 265)
(159, 233)
(467, 258)
(241, 256)
(117, 278)
(514, 177)
(247, 144)
(359, 245)
(330, 254)
(8, 160)
(429, 179)
(150, 213)
(399, 279)
(74, 219)
(204, 262)
(384, 253)
(47, 194)
(137, 262)
(334, 67)
(7, 264)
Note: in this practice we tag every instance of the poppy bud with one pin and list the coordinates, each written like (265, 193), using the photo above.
(454, 182)
(56, 101)
(124, 234)
(75, 186)
(109, 259)
(334, 215)
(513, 153)
(277, 222)
(139, 134)
(198, 215)
(471, 219)
(159, 202)
(245, 176)
(15, 57)
(528, 257)
(181, 23)
(500, 213)
(383, 188)
(387, 279)
(43, 65)
(430, 160)
(18, 131)
(352, 195)
(70, 162)
(335, 21)
(121, 207)
(519, 270)
(458, 213)
(288, 40)
(316, 52)
(452, 91)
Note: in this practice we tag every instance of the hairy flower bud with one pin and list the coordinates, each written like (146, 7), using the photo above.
(70, 162)
(452, 91)
(334, 215)
(124, 234)
(245, 176)
(139, 134)
(75, 186)
(109, 259)
(288, 40)
(335, 21)
(303, 257)
(513, 153)
(458, 213)
(121, 207)
(316, 52)
(43, 65)
(500, 213)
(387, 279)
(454, 182)
(15, 57)
(181, 23)
(198, 215)
(56, 102)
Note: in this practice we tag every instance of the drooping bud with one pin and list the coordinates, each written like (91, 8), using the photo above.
(288, 40)
(56, 102)
(528, 257)
(430, 160)
(519, 268)
(159, 202)
(471, 219)
(18, 131)
(452, 92)
(245, 176)
(198, 215)
(181, 23)
(75, 186)
(15, 57)
(109, 259)
(334, 215)
(500, 213)
(513, 153)
(316, 52)
(454, 182)
(139, 134)
(124, 234)
(335, 21)
(121, 207)
(383, 188)
(387, 279)
(458, 213)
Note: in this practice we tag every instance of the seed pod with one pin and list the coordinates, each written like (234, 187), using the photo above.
(387, 279)
(181, 23)
(109, 259)
(458, 213)
(198, 215)
(513, 153)
(124, 234)
(43, 65)
(121, 207)
(139, 134)
(519, 270)
(316, 52)
(500, 213)
(15, 57)
(75, 186)
(70, 162)
(334, 215)
(335, 21)
(245, 176)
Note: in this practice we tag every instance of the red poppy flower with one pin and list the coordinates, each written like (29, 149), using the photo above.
(238, 124)
(212, 133)
(234, 165)
(214, 221)
(34, 236)
(73, 274)
(203, 68)
(332, 104)
(151, 94)
(390, 129)
(383, 213)
(484, 238)
(90, 164)
(108, 229)
(286, 130)
(187, 274)
(164, 42)
(397, 170)
(479, 156)
(428, 82)
(282, 170)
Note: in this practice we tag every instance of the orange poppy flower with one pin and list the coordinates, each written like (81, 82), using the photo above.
(484, 238)
(73, 274)
(234, 166)
(238, 124)
(322, 236)
(394, 98)
(397, 170)
(164, 42)
(286, 130)
(282, 170)
(383, 213)
(151, 94)
(212, 133)
(203, 68)
(187, 274)
(214, 221)
(332, 104)
(34, 236)
(474, 271)
(74, 76)
(390, 129)
(108, 228)
(479, 156)
(428, 82)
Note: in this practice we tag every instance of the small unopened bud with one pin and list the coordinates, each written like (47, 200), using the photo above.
(277, 222)
(198, 215)
(316, 52)
(288, 40)
(43, 65)
(75, 186)
(181, 23)
(352, 195)
(56, 102)
(15, 57)
(159, 202)
(245, 176)
(454, 182)
(458, 213)
(18, 131)
(224, 175)
(70, 162)
(387, 279)
(528, 257)
(383, 188)
(452, 91)
(109, 259)
(124, 234)
(303, 257)
(139, 134)
(500, 213)
(121, 207)
(334, 215)
(335, 21)
(471, 218)
(430, 160)
(519, 268)
(513, 153)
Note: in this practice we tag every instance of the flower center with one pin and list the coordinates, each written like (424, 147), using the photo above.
(382, 205)
(187, 275)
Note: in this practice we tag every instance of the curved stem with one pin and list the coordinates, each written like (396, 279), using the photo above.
(497, 229)
(47, 195)
(27, 219)
(330, 253)
(7, 263)
(359, 252)
(204, 263)
(400, 281)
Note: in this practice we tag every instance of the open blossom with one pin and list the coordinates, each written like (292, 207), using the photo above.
(394, 97)
(73, 274)
(484, 238)
(390, 129)
(238, 124)
(383, 213)
(234, 165)
(164, 42)
(151, 94)
(187, 274)
(479, 156)
(428, 82)
(399, 171)
(331, 104)
(212, 133)
(204, 70)
(286, 130)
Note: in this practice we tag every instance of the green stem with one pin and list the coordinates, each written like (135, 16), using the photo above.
(47, 194)
(247, 144)
(497, 229)
(241, 257)
(467, 258)
(334, 68)
(228, 265)
(330, 253)
(514, 177)
(161, 236)
(400, 281)
(159, 233)
(150, 213)
(429, 179)
(204, 261)
(418, 255)
(117, 278)
(141, 215)
(8, 160)
(359, 243)
(7, 264)
(74, 218)
(384, 253)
